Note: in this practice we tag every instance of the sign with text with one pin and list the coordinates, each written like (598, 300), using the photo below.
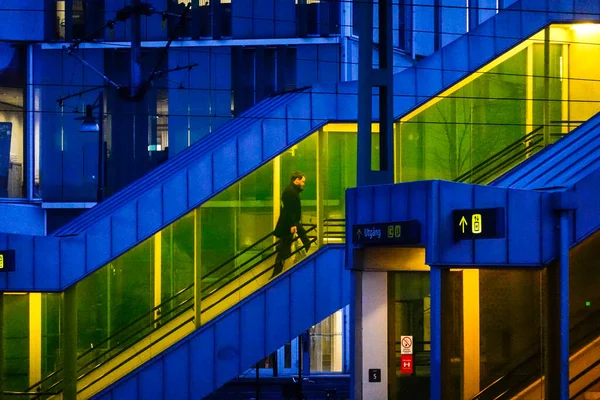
(483, 223)
(406, 345)
(375, 375)
(7, 261)
(388, 233)
(406, 364)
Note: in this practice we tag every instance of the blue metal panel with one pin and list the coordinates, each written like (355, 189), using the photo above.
(150, 209)
(453, 20)
(564, 10)
(346, 280)
(200, 180)
(419, 206)
(588, 216)
(175, 196)
(123, 228)
(24, 219)
(225, 165)
(548, 228)
(590, 10)
(399, 199)
(307, 68)
(126, 389)
(303, 299)
(221, 67)
(47, 267)
(405, 91)
(531, 22)
(423, 11)
(453, 196)
(328, 285)
(490, 251)
(253, 321)
(455, 61)
(177, 372)
(241, 19)
(277, 304)
(299, 121)
(153, 374)
(227, 346)
(328, 63)
(285, 18)
(481, 46)
(22, 20)
(507, 31)
(429, 76)
(152, 24)
(249, 159)
(97, 245)
(382, 211)
(323, 103)
(202, 362)
(487, 10)
(263, 19)
(23, 276)
(523, 221)
(364, 205)
(72, 259)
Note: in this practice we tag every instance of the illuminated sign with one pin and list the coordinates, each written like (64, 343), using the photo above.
(7, 260)
(483, 223)
(388, 233)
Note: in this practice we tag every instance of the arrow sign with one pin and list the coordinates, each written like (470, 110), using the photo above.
(463, 223)
(479, 223)
(388, 233)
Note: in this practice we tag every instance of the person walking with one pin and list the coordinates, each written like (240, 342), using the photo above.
(289, 223)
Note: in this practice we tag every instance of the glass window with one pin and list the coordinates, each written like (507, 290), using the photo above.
(16, 342)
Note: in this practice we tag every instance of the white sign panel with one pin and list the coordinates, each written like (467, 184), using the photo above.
(406, 345)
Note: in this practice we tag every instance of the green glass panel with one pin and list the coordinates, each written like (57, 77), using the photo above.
(16, 342)
(51, 333)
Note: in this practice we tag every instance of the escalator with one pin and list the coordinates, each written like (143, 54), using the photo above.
(521, 380)
(223, 287)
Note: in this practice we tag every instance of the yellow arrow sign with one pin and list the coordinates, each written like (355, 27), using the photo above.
(463, 223)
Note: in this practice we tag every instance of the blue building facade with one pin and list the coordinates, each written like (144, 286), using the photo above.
(247, 92)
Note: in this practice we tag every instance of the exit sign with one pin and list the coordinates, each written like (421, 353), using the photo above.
(387, 233)
(482, 223)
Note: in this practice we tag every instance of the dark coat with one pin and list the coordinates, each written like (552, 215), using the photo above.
(290, 212)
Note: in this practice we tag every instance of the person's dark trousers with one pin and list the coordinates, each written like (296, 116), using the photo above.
(284, 250)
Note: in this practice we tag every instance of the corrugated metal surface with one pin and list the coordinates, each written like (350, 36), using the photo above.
(229, 345)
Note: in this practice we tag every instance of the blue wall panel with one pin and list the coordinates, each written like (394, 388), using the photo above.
(307, 67)
(419, 207)
(278, 304)
(590, 9)
(222, 162)
(153, 374)
(24, 250)
(202, 350)
(150, 208)
(347, 101)
(47, 263)
(126, 390)
(247, 160)
(548, 228)
(72, 259)
(453, 16)
(299, 120)
(523, 216)
(328, 284)
(241, 18)
(252, 319)
(263, 19)
(123, 228)
(364, 204)
(507, 31)
(303, 300)
(429, 76)
(285, 18)
(490, 251)
(453, 197)
(200, 180)
(176, 373)
(532, 21)
(587, 199)
(381, 213)
(398, 198)
(329, 59)
(481, 46)
(455, 67)
(24, 219)
(98, 244)
(227, 346)
(405, 92)
(23, 20)
(175, 196)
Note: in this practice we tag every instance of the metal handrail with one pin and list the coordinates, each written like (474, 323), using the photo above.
(498, 155)
(581, 342)
(156, 320)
